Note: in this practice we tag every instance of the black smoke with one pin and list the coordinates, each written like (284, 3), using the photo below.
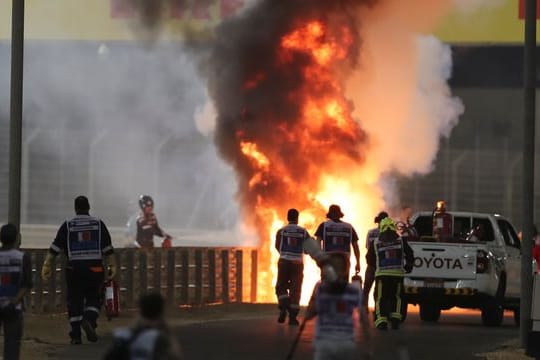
(246, 50)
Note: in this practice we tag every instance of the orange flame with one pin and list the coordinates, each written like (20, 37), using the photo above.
(314, 163)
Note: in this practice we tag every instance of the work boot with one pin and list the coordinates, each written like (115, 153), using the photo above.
(382, 326)
(75, 339)
(293, 321)
(293, 313)
(282, 316)
(89, 330)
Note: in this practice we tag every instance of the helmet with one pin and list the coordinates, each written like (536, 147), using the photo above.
(145, 201)
(380, 216)
(387, 224)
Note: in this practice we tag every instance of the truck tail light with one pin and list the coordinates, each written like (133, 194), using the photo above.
(482, 262)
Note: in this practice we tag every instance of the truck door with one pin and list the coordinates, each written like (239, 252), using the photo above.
(513, 258)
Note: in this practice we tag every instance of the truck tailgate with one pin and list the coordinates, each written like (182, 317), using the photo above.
(444, 260)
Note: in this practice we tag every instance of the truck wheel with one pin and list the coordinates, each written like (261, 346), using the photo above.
(492, 312)
(430, 312)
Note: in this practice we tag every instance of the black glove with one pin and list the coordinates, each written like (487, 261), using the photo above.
(408, 268)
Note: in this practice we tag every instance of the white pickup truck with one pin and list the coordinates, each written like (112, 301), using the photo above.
(482, 274)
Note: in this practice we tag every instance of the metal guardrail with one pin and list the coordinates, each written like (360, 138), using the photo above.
(184, 276)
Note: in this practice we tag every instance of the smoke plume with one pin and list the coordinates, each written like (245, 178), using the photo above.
(322, 102)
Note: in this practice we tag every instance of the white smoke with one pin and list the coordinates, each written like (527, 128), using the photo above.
(135, 104)
(401, 93)
(434, 94)
(205, 118)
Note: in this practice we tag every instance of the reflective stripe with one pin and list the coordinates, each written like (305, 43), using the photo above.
(381, 320)
(398, 273)
(281, 297)
(396, 315)
(106, 249)
(55, 248)
(91, 308)
(75, 318)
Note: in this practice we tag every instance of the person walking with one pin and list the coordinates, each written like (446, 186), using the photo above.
(369, 275)
(86, 243)
(391, 256)
(337, 237)
(290, 245)
(16, 281)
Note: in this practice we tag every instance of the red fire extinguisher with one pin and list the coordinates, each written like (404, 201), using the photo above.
(112, 306)
(442, 222)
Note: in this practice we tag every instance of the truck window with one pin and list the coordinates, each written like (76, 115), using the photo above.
(483, 229)
(509, 234)
(462, 225)
(424, 225)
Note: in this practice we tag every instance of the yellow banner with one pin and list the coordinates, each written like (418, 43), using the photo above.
(115, 20)
(495, 24)
(112, 19)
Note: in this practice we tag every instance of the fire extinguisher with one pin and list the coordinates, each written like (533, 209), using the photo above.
(167, 243)
(112, 306)
(442, 222)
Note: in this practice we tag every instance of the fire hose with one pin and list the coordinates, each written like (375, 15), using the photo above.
(364, 320)
(297, 339)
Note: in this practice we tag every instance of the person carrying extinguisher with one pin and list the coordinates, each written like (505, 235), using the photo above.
(392, 257)
(147, 226)
(86, 243)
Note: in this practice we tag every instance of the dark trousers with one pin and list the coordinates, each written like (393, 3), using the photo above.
(84, 297)
(369, 278)
(388, 298)
(13, 330)
(289, 285)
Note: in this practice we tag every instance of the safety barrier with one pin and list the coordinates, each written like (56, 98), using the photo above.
(184, 276)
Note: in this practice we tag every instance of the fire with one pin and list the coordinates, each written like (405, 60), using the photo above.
(250, 150)
(309, 161)
(298, 88)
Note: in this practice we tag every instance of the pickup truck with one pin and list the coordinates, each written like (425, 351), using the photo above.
(481, 274)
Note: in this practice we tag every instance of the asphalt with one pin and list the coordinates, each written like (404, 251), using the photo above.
(457, 335)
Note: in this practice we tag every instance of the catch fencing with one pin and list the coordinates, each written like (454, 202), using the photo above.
(184, 276)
